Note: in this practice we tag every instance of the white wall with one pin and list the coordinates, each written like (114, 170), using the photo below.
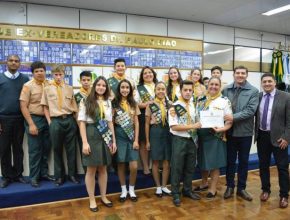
(32, 14)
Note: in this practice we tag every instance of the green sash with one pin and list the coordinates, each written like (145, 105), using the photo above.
(124, 120)
(113, 83)
(154, 108)
(181, 112)
(144, 94)
(79, 97)
(104, 130)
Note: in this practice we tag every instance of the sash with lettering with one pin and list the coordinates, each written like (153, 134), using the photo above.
(124, 120)
(182, 115)
(104, 130)
(154, 108)
(144, 94)
(113, 83)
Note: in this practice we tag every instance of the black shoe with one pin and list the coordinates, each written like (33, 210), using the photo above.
(133, 198)
(200, 189)
(94, 209)
(108, 204)
(35, 183)
(73, 179)
(5, 182)
(229, 193)
(122, 199)
(176, 201)
(48, 178)
(159, 194)
(244, 195)
(21, 180)
(59, 182)
(192, 195)
(210, 195)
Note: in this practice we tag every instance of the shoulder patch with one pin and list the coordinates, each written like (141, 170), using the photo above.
(172, 112)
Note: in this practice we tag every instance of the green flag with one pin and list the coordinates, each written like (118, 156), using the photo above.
(279, 68)
(273, 64)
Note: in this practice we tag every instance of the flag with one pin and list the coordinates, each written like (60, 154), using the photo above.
(273, 64)
(285, 67)
(279, 67)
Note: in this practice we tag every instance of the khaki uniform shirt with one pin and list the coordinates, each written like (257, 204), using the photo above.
(32, 93)
(51, 100)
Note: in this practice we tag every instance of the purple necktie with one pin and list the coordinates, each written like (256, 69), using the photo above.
(265, 111)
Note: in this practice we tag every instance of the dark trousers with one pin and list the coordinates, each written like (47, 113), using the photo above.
(63, 133)
(238, 147)
(39, 147)
(183, 162)
(11, 140)
(265, 149)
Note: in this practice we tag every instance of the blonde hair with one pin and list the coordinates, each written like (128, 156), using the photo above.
(58, 68)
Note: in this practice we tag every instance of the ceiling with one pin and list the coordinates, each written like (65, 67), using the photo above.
(235, 13)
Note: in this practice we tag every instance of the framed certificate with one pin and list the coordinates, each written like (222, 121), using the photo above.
(212, 118)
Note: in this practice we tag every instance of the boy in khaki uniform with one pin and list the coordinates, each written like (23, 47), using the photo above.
(36, 125)
(59, 107)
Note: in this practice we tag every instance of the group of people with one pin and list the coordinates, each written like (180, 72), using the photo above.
(113, 120)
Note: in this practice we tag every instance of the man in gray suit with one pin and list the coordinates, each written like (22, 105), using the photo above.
(272, 134)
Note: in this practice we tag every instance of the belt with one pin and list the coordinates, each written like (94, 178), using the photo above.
(264, 131)
(63, 116)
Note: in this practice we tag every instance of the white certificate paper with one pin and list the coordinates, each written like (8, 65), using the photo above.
(212, 118)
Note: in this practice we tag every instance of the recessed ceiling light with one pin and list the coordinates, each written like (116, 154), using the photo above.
(277, 10)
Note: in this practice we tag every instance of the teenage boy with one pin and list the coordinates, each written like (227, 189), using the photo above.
(59, 109)
(36, 125)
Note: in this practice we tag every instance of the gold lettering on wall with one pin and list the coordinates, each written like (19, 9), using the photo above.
(96, 37)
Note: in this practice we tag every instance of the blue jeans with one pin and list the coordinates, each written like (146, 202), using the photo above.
(238, 147)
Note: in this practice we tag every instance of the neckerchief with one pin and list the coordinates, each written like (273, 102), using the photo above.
(173, 94)
(124, 105)
(210, 98)
(59, 92)
(151, 86)
(119, 78)
(84, 92)
(101, 107)
(162, 109)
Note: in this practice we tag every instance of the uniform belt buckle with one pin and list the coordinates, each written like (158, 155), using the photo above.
(64, 116)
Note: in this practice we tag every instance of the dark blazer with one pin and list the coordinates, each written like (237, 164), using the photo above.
(280, 117)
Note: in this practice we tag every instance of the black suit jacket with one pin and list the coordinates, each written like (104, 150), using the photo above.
(280, 117)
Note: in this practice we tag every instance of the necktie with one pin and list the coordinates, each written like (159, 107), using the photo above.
(235, 98)
(265, 111)
(13, 76)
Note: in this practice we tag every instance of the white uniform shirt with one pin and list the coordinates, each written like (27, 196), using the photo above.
(82, 116)
(173, 118)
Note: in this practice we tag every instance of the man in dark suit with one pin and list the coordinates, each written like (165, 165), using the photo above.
(272, 134)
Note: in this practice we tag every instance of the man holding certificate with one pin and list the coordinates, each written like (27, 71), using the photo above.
(183, 127)
(244, 98)
(212, 151)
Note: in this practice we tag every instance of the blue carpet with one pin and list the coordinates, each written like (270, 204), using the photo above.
(17, 194)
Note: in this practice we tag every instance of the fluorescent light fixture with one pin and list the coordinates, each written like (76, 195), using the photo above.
(277, 10)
